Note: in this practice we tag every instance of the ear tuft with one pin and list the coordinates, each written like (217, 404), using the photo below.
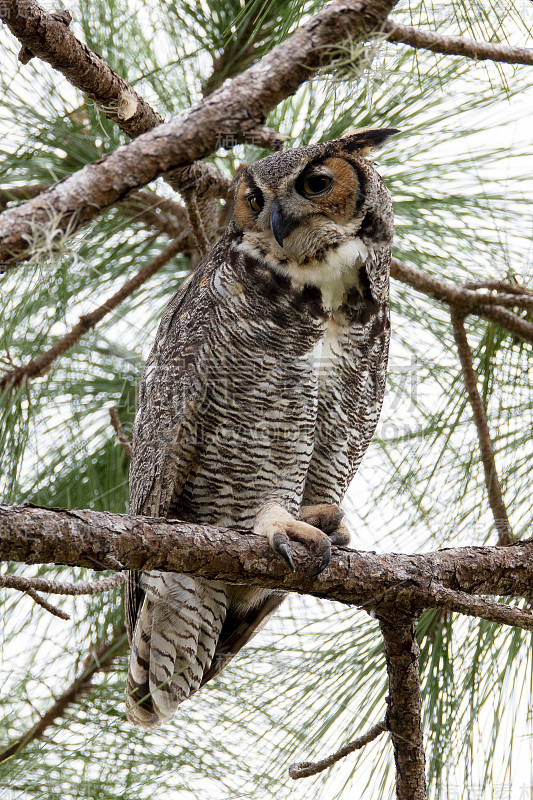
(365, 141)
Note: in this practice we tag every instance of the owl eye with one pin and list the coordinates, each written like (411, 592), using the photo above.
(256, 202)
(315, 184)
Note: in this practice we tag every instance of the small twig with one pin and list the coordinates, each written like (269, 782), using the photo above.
(304, 769)
(160, 213)
(57, 612)
(40, 365)
(199, 185)
(24, 584)
(404, 718)
(457, 45)
(496, 502)
(119, 430)
(99, 658)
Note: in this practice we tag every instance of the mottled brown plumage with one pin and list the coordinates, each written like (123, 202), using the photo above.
(259, 399)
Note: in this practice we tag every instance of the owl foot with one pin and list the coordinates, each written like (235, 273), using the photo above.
(274, 522)
(327, 518)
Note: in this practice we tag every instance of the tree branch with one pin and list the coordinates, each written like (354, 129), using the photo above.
(496, 502)
(239, 107)
(304, 769)
(99, 659)
(23, 584)
(51, 40)
(466, 300)
(456, 45)
(404, 719)
(57, 612)
(36, 535)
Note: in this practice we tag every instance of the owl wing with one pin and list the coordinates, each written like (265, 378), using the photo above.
(156, 423)
(173, 620)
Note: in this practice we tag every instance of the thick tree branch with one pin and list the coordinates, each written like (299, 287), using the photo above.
(457, 45)
(496, 502)
(99, 659)
(404, 719)
(40, 365)
(159, 213)
(51, 40)
(240, 107)
(101, 540)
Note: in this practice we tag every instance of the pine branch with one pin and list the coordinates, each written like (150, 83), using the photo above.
(99, 659)
(496, 502)
(404, 719)
(36, 535)
(238, 108)
(23, 584)
(56, 612)
(45, 35)
(305, 769)
(456, 45)
(160, 213)
(51, 40)
(40, 365)
(469, 301)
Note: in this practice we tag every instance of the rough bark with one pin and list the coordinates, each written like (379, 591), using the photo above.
(50, 39)
(238, 109)
(100, 540)
(404, 720)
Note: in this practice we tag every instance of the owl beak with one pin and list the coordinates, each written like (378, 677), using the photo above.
(280, 225)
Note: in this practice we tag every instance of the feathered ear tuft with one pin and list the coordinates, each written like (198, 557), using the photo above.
(365, 141)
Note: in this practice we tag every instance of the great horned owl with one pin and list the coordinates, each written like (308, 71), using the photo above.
(259, 399)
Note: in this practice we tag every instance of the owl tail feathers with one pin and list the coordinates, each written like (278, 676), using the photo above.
(173, 644)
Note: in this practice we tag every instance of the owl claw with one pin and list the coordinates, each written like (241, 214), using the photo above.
(326, 558)
(324, 516)
(280, 545)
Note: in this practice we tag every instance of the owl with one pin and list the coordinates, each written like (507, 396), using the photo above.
(258, 400)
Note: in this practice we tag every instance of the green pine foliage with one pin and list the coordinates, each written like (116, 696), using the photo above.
(315, 677)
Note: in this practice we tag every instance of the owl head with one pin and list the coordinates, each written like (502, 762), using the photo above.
(297, 206)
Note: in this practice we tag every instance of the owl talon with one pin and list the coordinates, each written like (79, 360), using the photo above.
(341, 536)
(326, 558)
(324, 516)
(280, 544)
